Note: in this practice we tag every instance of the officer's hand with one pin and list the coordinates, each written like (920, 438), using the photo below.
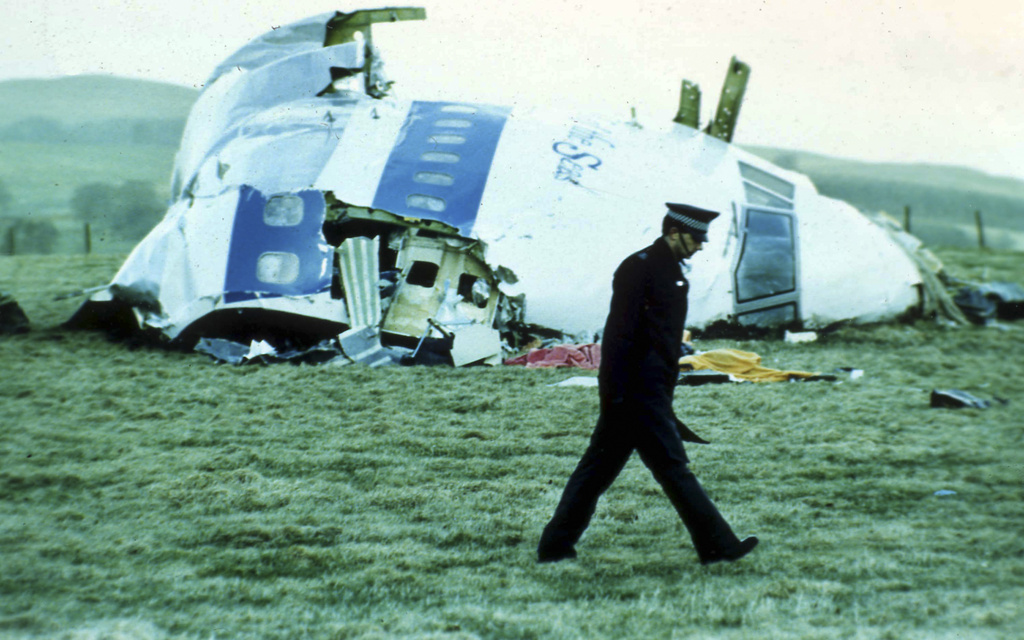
(687, 435)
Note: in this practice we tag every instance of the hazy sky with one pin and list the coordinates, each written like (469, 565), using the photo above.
(939, 81)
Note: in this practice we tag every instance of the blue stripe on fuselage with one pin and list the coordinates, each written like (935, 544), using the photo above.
(251, 237)
(439, 167)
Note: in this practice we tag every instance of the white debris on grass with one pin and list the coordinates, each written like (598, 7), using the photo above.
(795, 337)
(576, 381)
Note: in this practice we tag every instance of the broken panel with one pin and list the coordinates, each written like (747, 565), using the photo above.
(359, 275)
(440, 279)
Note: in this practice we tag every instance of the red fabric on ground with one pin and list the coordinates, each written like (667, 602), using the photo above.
(581, 356)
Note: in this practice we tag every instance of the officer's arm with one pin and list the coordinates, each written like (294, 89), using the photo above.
(620, 336)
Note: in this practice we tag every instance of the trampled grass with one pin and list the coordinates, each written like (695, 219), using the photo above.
(148, 493)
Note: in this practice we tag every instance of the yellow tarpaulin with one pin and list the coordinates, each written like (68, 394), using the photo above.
(742, 364)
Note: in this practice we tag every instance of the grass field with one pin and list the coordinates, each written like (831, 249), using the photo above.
(153, 494)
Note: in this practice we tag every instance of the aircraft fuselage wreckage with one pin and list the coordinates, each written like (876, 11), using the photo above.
(307, 204)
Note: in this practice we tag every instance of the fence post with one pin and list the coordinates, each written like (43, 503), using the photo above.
(906, 218)
(981, 229)
(88, 238)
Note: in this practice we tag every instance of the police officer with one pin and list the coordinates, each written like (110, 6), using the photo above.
(640, 353)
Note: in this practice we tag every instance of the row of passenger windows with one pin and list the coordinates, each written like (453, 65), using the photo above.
(280, 268)
(439, 178)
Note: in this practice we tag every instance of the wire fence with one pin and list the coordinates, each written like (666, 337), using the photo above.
(67, 235)
(58, 235)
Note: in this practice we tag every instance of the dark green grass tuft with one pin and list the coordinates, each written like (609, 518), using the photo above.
(148, 493)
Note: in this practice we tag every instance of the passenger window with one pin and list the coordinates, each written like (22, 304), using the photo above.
(474, 290)
(427, 203)
(434, 177)
(453, 123)
(440, 156)
(466, 285)
(283, 211)
(446, 138)
(275, 267)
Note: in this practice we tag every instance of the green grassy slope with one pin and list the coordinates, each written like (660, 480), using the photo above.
(942, 199)
(146, 493)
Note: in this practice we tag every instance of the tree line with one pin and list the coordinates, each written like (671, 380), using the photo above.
(126, 211)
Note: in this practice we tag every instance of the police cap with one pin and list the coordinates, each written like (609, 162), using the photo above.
(691, 220)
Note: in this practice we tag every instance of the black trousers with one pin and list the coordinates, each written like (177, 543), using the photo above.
(647, 426)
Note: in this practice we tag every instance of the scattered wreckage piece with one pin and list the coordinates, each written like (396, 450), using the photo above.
(353, 346)
(581, 356)
(434, 284)
(230, 352)
(983, 303)
(853, 372)
(12, 318)
(956, 399)
(587, 382)
(699, 378)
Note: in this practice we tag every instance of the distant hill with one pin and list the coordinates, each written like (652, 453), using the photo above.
(76, 99)
(101, 110)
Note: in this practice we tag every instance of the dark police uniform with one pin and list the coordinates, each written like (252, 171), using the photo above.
(640, 352)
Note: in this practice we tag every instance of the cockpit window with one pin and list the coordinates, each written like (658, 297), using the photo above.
(761, 198)
(770, 317)
(767, 181)
(767, 265)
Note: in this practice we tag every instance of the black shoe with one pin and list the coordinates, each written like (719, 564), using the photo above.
(555, 555)
(743, 548)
